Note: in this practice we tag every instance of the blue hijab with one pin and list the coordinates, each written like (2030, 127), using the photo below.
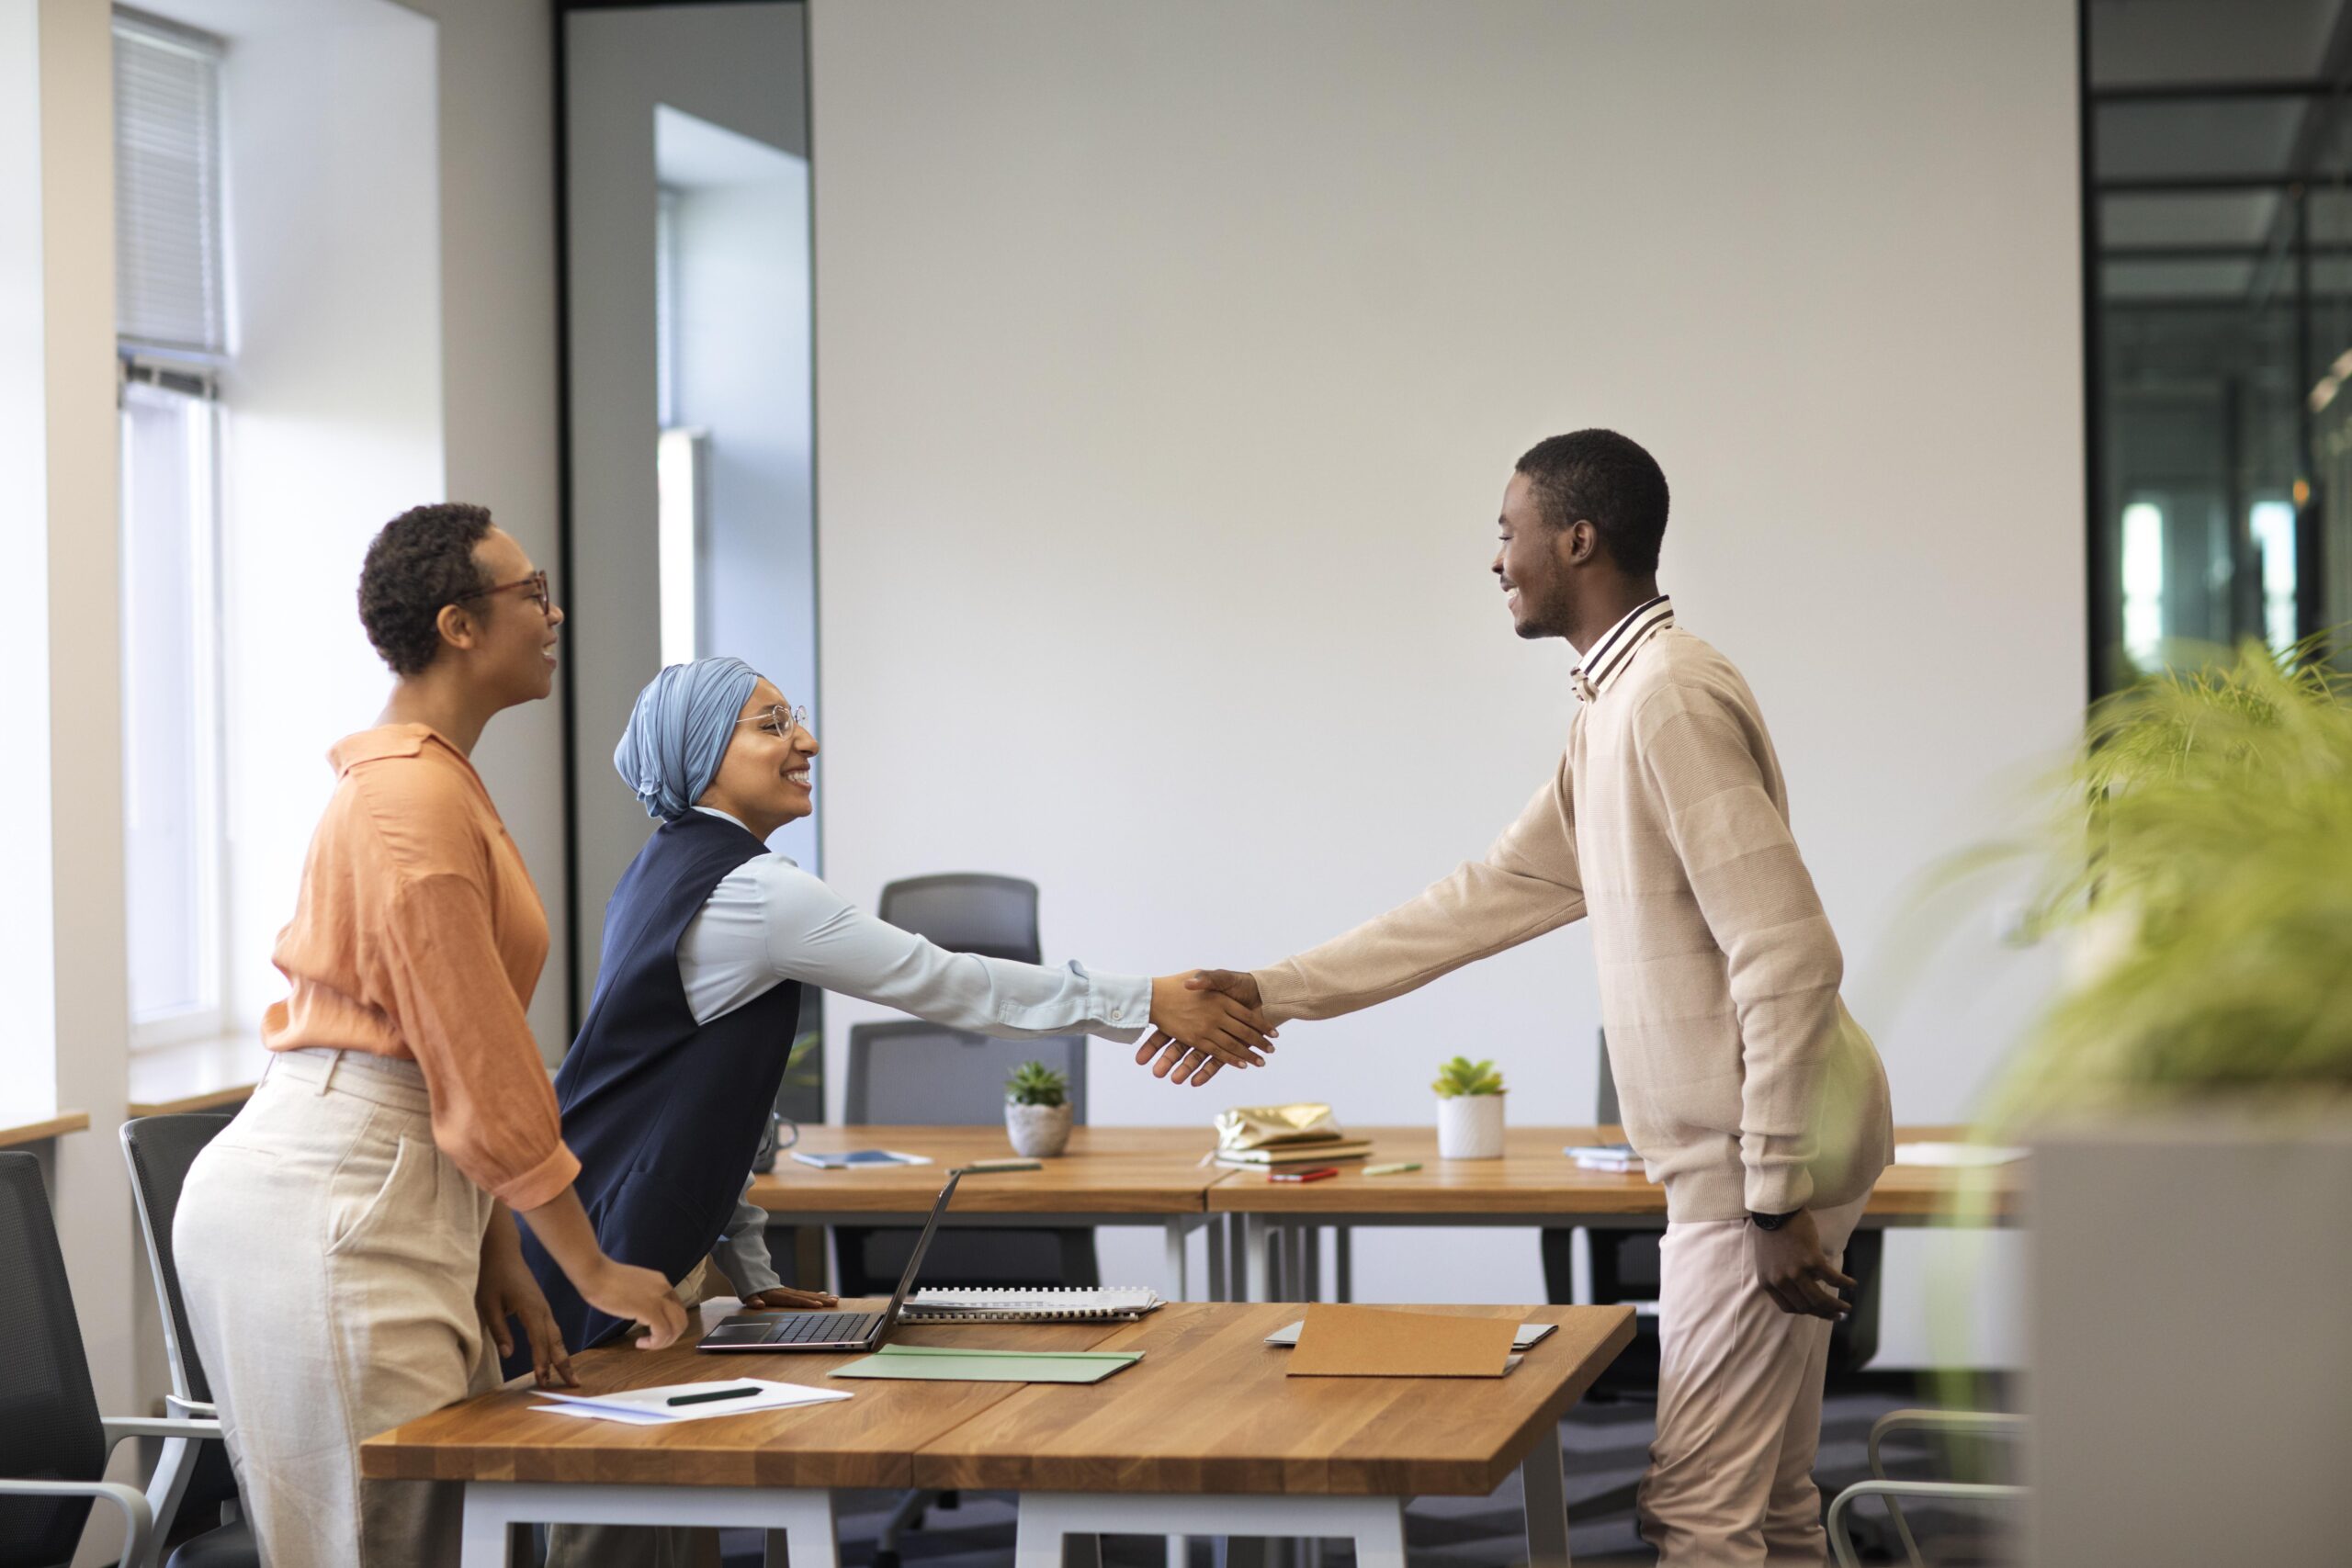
(679, 730)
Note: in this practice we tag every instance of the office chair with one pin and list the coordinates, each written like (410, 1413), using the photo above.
(160, 1149)
(967, 911)
(53, 1442)
(929, 1075)
(922, 1075)
(1957, 1422)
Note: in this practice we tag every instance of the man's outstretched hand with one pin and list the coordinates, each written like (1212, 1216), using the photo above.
(1230, 1000)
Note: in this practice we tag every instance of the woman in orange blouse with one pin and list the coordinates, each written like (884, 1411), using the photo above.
(347, 1244)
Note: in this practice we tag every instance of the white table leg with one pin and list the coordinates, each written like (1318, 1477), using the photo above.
(1257, 1240)
(1179, 1260)
(1547, 1501)
(481, 1539)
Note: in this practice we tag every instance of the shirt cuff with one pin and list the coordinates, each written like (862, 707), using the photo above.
(1778, 1189)
(1120, 1004)
(1278, 993)
(543, 1182)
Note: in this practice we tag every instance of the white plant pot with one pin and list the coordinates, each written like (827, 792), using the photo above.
(1038, 1131)
(1470, 1126)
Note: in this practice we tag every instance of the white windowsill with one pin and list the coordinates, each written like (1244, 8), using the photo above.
(210, 1074)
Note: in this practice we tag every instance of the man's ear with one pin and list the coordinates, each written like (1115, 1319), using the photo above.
(457, 628)
(1579, 542)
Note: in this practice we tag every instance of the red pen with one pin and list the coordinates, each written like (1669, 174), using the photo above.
(1318, 1174)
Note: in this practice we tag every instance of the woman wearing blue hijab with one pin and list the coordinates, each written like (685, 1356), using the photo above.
(707, 940)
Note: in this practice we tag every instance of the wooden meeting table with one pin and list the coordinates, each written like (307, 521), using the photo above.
(1157, 1175)
(1206, 1434)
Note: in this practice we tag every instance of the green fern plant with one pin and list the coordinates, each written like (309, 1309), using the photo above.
(1033, 1083)
(1461, 1075)
(2203, 857)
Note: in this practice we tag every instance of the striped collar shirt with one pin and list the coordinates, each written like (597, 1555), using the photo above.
(1615, 651)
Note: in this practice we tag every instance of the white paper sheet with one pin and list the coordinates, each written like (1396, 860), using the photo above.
(649, 1406)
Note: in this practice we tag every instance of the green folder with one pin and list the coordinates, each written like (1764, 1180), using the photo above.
(944, 1364)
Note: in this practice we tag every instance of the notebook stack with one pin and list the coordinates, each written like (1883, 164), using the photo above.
(1268, 1136)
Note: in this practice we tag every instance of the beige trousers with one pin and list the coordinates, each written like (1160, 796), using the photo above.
(1738, 1404)
(328, 1252)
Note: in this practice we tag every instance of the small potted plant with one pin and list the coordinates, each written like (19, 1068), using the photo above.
(1469, 1110)
(1037, 1111)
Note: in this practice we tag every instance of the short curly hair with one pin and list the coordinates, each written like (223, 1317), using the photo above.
(417, 563)
(1601, 476)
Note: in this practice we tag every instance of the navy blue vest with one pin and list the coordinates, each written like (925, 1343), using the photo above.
(665, 1114)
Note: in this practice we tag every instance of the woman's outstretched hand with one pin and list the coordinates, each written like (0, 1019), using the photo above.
(1202, 1021)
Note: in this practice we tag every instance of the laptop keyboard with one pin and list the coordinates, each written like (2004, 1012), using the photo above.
(801, 1328)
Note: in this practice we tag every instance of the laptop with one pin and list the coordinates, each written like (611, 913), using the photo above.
(766, 1332)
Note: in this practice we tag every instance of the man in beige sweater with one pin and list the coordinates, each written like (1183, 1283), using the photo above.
(1748, 1090)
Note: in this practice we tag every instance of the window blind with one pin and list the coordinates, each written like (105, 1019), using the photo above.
(167, 188)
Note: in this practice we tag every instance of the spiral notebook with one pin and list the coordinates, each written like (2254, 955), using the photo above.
(1115, 1303)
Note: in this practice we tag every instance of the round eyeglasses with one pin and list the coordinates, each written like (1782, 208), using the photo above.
(779, 721)
(534, 588)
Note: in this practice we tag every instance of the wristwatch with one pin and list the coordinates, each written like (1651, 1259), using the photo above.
(1772, 1221)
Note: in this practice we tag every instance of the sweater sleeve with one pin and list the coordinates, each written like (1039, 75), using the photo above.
(1699, 756)
(493, 1109)
(1527, 883)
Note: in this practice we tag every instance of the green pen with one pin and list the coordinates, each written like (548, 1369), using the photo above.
(989, 1167)
(1397, 1170)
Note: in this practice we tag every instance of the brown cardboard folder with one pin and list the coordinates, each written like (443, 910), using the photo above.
(1368, 1342)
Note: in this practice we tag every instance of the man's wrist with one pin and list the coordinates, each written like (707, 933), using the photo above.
(1764, 1221)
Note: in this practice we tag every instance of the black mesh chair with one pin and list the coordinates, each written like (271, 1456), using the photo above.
(923, 1075)
(967, 911)
(926, 1075)
(160, 1150)
(53, 1442)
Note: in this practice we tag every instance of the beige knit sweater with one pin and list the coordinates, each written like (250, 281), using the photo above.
(1745, 1083)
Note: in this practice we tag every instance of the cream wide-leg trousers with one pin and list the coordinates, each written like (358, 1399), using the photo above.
(328, 1252)
(1730, 1481)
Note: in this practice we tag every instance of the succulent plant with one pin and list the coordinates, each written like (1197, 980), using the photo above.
(1033, 1083)
(1462, 1075)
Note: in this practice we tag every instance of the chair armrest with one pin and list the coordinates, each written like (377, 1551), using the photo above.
(1969, 1423)
(196, 1408)
(117, 1427)
(1841, 1543)
(139, 1519)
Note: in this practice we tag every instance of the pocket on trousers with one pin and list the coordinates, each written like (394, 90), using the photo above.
(411, 1171)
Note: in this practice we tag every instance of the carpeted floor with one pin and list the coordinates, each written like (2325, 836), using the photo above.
(1606, 1447)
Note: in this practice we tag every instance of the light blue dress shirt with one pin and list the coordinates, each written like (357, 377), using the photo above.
(769, 921)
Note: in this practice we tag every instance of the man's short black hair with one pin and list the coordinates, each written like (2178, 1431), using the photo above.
(418, 562)
(1600, 477)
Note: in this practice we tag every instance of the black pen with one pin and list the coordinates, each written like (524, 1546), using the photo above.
(707, 1398)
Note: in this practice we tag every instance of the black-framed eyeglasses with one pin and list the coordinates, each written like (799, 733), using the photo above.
(534, 588)
(779, 721)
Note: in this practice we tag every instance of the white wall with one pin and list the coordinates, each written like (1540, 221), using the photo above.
(1172, 363)
(736, 66)
(500, 398)
(28, 947)
(333, 413)
(743, 376)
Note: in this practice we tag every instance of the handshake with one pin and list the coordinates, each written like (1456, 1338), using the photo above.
(1203, 1022)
